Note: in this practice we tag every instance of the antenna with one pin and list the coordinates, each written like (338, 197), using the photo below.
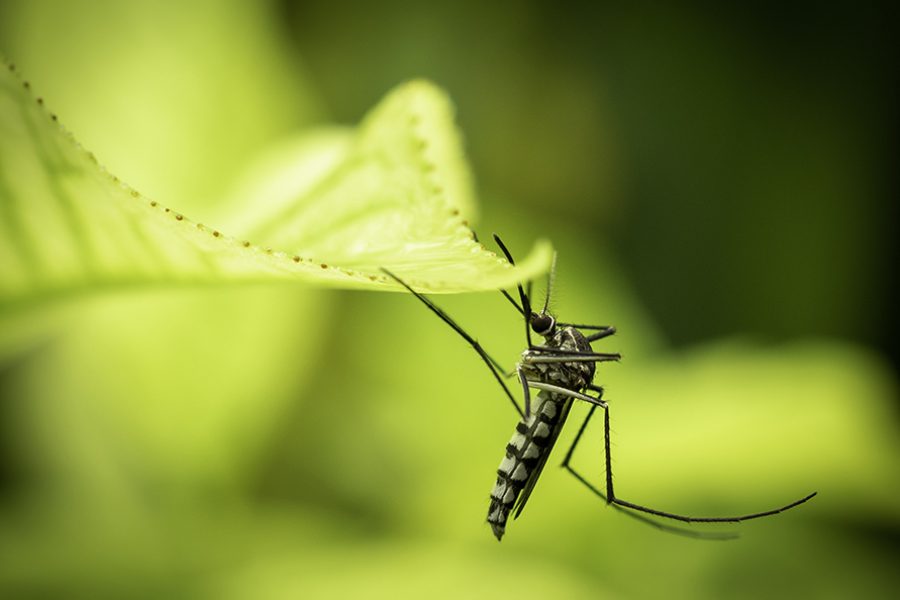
(550, 277)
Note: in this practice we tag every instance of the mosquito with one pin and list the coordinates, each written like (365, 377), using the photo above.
(561, 370)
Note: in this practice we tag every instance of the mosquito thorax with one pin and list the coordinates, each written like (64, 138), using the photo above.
(542, 324)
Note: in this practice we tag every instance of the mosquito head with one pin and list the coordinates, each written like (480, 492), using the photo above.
(542, 323)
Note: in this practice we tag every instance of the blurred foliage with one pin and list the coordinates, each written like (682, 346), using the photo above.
(707, 177)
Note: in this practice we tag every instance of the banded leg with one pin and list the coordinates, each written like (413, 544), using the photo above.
(610, 496)
(492, 364)
(569, 356)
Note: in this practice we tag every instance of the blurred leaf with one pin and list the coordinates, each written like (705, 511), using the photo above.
(393, 195)
(147, 86)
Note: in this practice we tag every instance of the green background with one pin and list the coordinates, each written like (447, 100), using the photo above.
(717, 184)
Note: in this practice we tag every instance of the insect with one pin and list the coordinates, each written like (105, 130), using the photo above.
(562, 370)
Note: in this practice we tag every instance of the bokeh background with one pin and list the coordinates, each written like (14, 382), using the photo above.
(718, 184)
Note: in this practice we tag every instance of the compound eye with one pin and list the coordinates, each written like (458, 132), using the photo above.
(541, 323)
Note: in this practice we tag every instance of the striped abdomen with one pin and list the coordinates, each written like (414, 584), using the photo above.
(526, 454)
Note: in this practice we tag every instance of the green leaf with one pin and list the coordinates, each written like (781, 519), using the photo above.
(394, 193)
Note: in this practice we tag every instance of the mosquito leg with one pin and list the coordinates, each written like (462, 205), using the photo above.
(604, 332)
(565, 462)
(549, 387)
(611, 496)
(552, 350)
(514, 303)
(634, 515)
(526, 391)
(591, 327)
(490, 362)
(565, 358)
(524, 297)
(610, 328)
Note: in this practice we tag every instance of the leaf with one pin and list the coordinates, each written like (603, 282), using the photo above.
(395, 193)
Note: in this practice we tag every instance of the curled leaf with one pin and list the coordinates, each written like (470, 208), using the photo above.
(394, 193)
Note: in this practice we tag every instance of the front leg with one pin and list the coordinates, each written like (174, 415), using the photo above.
(602, 331)
(546, 354)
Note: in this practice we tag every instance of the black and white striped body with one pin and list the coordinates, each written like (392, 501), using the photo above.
(535, 434)
(528, 448)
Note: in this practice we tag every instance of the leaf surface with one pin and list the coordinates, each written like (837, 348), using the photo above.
(395, 192)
